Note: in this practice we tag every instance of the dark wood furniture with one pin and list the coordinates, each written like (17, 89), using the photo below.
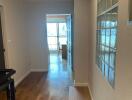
(64, 51)
(7, 83)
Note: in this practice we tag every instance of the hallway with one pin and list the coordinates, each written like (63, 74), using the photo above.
(101, 56)
(53, 85)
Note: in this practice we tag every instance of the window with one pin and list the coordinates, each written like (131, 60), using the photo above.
(106, 38)
(57, 35)
(62, 34)
(52, 36)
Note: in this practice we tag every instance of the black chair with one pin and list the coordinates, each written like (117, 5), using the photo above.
(7, 83)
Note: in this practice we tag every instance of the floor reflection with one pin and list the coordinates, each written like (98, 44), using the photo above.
(59, 76)
(58, 67)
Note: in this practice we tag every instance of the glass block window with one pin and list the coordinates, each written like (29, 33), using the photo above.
(106, 38)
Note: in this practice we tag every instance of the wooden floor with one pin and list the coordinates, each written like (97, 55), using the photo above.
(79, 93)
(53, 85)
(38, 87)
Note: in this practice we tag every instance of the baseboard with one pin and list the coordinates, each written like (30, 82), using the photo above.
(22, 78)
(81, 84)
(39, 70)
(90, 93)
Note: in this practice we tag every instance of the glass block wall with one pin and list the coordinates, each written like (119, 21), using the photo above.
(106, 37)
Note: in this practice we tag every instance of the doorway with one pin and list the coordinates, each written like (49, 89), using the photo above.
(59, 37)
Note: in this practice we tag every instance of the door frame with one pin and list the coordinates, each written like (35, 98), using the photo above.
(4, 36)
(57, 27)
(72, 30)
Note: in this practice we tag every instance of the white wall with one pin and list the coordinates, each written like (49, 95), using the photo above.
(15, 36)
(100, 88)
(25, 33)
(37, 29)
(81, 41)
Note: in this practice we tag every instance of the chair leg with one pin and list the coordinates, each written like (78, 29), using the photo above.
(12, 90)
(8, 93)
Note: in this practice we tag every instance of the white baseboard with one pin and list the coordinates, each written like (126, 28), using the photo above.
(39, 70)
(90, 93)
(81, 84)
(84, 85)
(22, 78)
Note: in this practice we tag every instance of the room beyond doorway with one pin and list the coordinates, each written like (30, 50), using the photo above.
(59, 35)
(56, 31)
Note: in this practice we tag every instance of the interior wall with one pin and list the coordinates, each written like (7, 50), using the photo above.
(15, 36)
(25, 36)
(100, 88)
(81, 41)
(37, 29)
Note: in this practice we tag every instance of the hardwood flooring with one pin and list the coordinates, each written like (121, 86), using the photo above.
(38, 87)
(79, 93)
(52, 85)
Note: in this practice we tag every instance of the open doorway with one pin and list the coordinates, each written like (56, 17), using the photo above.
(59, 36)
(56, 35)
